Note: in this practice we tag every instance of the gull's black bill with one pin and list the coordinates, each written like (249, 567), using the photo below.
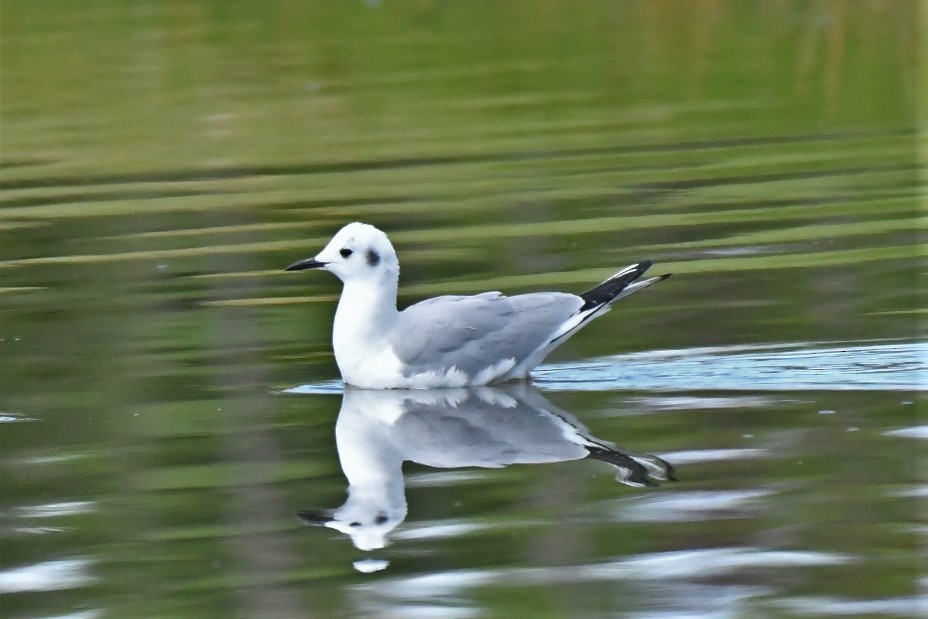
(307, 263)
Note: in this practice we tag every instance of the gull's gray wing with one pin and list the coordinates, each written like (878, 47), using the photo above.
(472, 333)
(493, 427)
(478, 432)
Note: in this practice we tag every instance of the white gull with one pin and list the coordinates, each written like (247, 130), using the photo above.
(448, 341)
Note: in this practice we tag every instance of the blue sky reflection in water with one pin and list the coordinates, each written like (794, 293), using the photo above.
(806, 366)
(161, 163)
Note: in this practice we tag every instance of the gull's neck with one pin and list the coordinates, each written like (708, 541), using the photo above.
(365, 313)
(369, 458)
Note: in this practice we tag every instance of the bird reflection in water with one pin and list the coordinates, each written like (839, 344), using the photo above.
(377, 431)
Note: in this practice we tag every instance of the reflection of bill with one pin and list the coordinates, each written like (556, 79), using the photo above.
(377, 431)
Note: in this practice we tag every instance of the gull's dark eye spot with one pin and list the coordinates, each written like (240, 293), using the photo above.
(355, 524)
(372, 257)
(345, 252)
(381, 518)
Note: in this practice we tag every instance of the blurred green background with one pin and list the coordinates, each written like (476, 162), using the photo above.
(160, 162)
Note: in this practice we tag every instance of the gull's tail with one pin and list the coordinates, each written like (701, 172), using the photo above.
(619, 286)
(596, 300)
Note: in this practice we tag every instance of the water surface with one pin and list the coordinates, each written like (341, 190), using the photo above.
(168, 399)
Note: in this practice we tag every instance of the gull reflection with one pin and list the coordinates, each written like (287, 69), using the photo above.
(377, 431)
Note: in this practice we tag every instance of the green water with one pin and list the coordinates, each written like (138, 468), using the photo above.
(168, 396)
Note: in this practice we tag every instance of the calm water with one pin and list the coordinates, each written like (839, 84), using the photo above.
(168, 399)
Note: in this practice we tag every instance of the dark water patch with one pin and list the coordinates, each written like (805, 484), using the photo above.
(643, 198)
(330, 167)
(128, 194)
(753, 179)
(338, 202)
(12, 164)
(782, 139)
(225, 173)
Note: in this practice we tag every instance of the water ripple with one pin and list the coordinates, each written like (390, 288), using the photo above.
(48, 576)
(883, 366)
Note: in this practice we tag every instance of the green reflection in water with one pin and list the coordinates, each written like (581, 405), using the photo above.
(160, 163)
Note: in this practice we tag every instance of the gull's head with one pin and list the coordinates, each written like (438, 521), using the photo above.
(356, 252)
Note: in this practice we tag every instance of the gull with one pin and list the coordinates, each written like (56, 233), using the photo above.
(447, 341)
